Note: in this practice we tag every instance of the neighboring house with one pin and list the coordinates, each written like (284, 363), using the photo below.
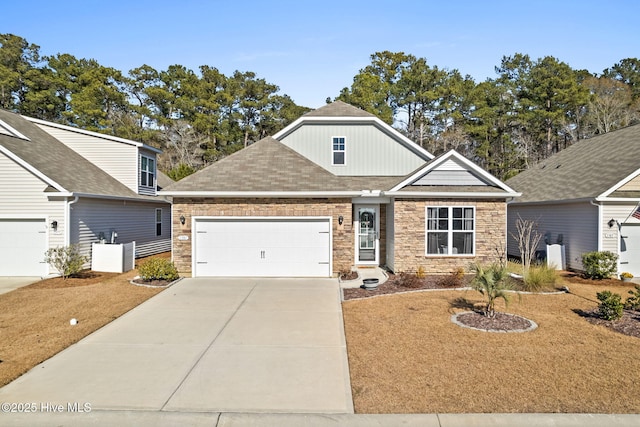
(336, 188)
(587, 194)
(61, 185)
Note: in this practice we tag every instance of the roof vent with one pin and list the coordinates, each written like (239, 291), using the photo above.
(557, 167)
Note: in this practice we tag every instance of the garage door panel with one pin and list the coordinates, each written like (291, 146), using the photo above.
(293, 247)
(22, 247)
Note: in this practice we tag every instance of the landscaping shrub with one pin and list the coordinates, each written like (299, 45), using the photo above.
(420, 273)
(633, 302)
(611, 307)
(158, 269)
(492, 282)
(453, 280)
(66, 259)
(540, 276)
(408, 280)
(599, 264)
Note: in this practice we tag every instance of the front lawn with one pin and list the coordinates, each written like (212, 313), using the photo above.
(406, 356)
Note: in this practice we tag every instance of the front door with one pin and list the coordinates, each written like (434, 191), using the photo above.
(367, 228)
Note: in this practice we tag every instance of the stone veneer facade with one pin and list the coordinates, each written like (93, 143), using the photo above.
(343, 239)
(409, 236)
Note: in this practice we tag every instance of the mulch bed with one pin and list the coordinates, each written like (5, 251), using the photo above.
(392, 286)
(152, 283)
(500, 322)
(628, 324)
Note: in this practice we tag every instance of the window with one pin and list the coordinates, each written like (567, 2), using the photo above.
(338, 151)
(158, 222)
(147, 171)
(450, 230)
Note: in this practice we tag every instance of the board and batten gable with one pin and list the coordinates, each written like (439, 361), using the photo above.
(368, 150)
(131, 220)
(577, 222)
(119, 160)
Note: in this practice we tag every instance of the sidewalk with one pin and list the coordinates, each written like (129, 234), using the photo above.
(214, 419)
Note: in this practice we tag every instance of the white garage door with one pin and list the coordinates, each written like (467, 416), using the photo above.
(630, 248)
(22, 247)
(259, 247)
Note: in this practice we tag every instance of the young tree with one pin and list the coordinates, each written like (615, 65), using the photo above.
(528, 239)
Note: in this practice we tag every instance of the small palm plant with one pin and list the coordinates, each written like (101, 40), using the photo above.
(491, 281)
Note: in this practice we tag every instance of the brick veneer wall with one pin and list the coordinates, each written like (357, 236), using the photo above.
(410, 220)
(343, 242)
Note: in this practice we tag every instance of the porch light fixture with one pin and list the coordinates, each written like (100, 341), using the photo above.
(611, 222)
(54, 225)
(182, 219)
(340, 219)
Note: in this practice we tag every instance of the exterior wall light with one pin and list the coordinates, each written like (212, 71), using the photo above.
(340, 220)
(54, 225)
(182, 220)
(611, 222)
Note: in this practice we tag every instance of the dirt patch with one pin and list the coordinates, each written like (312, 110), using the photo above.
(406, 356)
(35, 319)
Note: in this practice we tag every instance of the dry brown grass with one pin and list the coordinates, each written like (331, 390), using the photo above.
(406, 356)
(34, 320)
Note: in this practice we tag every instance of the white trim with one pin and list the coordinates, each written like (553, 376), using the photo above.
(468, 163)
(342, 119)
(13, 131)
(94, 134)
(356, 229)
(334, 151)
(282, 194)
(147, 172)
(618, 199)
(31, 169)
(449, 231)
(629, 177)
(451, 195)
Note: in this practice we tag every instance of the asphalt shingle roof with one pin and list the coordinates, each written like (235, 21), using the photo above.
(584, 170)
(269, 165)
(58, 162)
(338, 109)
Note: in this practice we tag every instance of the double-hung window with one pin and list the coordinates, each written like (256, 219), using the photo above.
(147, 171)
(450, 230)
(339, 151)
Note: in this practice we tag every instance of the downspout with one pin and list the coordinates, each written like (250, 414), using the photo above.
(67, 220)
(599, 206)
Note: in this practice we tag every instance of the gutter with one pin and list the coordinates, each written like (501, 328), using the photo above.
(281, 194)
(452, 195)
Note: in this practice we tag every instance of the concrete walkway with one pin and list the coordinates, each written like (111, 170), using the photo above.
(8, 284)
(211, 345)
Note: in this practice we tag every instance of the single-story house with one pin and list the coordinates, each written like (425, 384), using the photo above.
(585, 197)
(337, 188)
(61, 185)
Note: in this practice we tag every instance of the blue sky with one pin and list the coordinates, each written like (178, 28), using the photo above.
(311, 50)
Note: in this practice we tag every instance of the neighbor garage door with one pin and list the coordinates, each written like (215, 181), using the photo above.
(259, 247)
(22, 247)
(630, 248)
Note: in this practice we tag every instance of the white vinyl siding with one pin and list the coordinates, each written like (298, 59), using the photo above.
(370, 150)
(133, 221)
(577, 222)
(633, 185)
(119, 160)
(22, 195)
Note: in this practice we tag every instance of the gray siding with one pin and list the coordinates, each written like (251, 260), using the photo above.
(119, 160)
(577, 222)
(448, 177)
(133, 221)
(369, 151)
(22, 196)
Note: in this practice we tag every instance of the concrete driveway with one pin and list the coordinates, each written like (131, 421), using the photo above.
(208, 345)
(8, 284)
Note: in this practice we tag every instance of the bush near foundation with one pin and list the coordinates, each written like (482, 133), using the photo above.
(158, 269)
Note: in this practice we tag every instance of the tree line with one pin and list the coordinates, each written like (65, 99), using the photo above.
(532, 109)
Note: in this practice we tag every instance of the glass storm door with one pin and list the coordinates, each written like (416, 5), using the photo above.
(367, 234)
